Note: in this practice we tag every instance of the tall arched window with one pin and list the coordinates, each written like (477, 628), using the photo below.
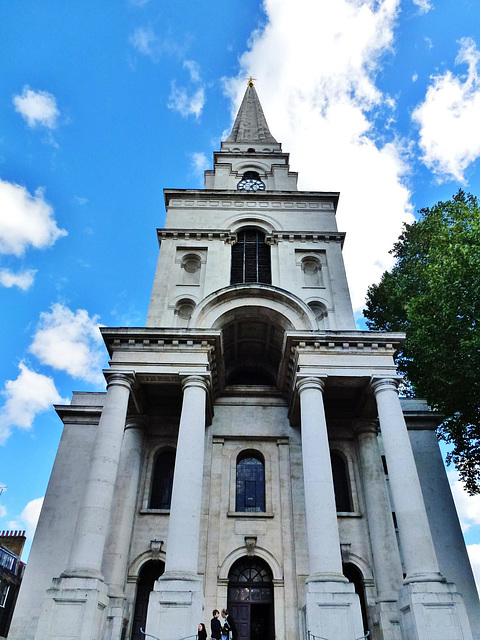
(341, 483)
(250, 258)
(162, 481)
(312, 272)
(250, 485)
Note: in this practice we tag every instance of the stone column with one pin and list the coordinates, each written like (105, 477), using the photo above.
(429, 607)
(93, 519)
(415, 537)
(184, 524)
(125, 500)
(175, 605)
(321, 512)
(332, 606)
(115, 560)
(76, 604)
(386, 557)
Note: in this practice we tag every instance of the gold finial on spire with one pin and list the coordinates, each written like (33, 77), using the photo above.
(250, 81)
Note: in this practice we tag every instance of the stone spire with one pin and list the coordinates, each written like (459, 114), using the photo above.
(250, 123)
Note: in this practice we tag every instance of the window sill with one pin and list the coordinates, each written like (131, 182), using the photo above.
(348, 514)
(154, 512)
(250, 514)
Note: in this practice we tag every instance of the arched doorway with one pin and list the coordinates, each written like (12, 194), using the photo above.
(354, 575)
(250, 599)
(150, 572)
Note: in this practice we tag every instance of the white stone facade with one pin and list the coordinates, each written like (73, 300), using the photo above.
(292, 449)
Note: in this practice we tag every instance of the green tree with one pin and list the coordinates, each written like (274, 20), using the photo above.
(433, 295)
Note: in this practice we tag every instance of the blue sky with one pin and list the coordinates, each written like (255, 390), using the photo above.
(102, 105)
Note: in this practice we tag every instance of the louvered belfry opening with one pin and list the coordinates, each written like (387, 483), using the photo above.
(250, 258)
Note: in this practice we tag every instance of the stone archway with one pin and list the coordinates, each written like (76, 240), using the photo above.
(149, 573)
(250, 599)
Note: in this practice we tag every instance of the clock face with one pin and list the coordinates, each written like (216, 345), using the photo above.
(251, 184)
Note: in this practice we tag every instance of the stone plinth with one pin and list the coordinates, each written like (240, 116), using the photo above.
(433, 610)
(74, 609)
(175, 607)
(333, 611)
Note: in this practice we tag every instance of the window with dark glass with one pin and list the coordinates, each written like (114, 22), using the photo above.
(162, 481)
(341, 483)
(250, 485)
(250, 258)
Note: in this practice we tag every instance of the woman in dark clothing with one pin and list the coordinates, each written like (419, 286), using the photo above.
(202, 632)
(215, 625)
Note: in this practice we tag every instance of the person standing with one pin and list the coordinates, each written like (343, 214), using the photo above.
(215, 625)
(202, 632)
(229, 624)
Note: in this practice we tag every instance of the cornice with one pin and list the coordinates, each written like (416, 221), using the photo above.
(227, 236)
(233, 199)
(151, 339)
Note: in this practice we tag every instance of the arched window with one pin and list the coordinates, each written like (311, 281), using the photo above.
(250, 258)
(250, 485)
(320, 313)
(191, 265)
(341, 483)
(162, 481)
(184, 310)
(312, 272)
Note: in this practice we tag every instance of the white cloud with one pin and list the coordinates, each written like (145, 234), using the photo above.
(423, 5)
(25, 220)
(31, 393)
(320, 99)
(37, 108)
(28, 519)
(3, 511)
(23, 280)
(144, 40)
(186, 104)
(474, 555)
(30, 515)
(415, 77)
(468, 507)
(70, 341)
(193, 68)
(448, 118)
(199, 162)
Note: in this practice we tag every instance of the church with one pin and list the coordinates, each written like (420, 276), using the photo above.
(251, 451)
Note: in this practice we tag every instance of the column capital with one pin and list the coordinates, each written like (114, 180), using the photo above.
(120, 378)
(311, 382)
(135, 422)
(195, 380)
(378, 383)
(366, 427)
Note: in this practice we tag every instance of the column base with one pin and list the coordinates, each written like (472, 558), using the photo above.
(117, 618)
(433, 610)
(74, 608)
(385, 621)
(175, 607)
(333, 611)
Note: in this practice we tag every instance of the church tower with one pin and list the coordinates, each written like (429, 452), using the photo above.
(251, 450)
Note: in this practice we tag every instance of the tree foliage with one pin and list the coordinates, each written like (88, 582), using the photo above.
(433, 294)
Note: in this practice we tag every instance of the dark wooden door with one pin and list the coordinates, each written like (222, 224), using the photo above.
(250, 599)
(150, 572)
